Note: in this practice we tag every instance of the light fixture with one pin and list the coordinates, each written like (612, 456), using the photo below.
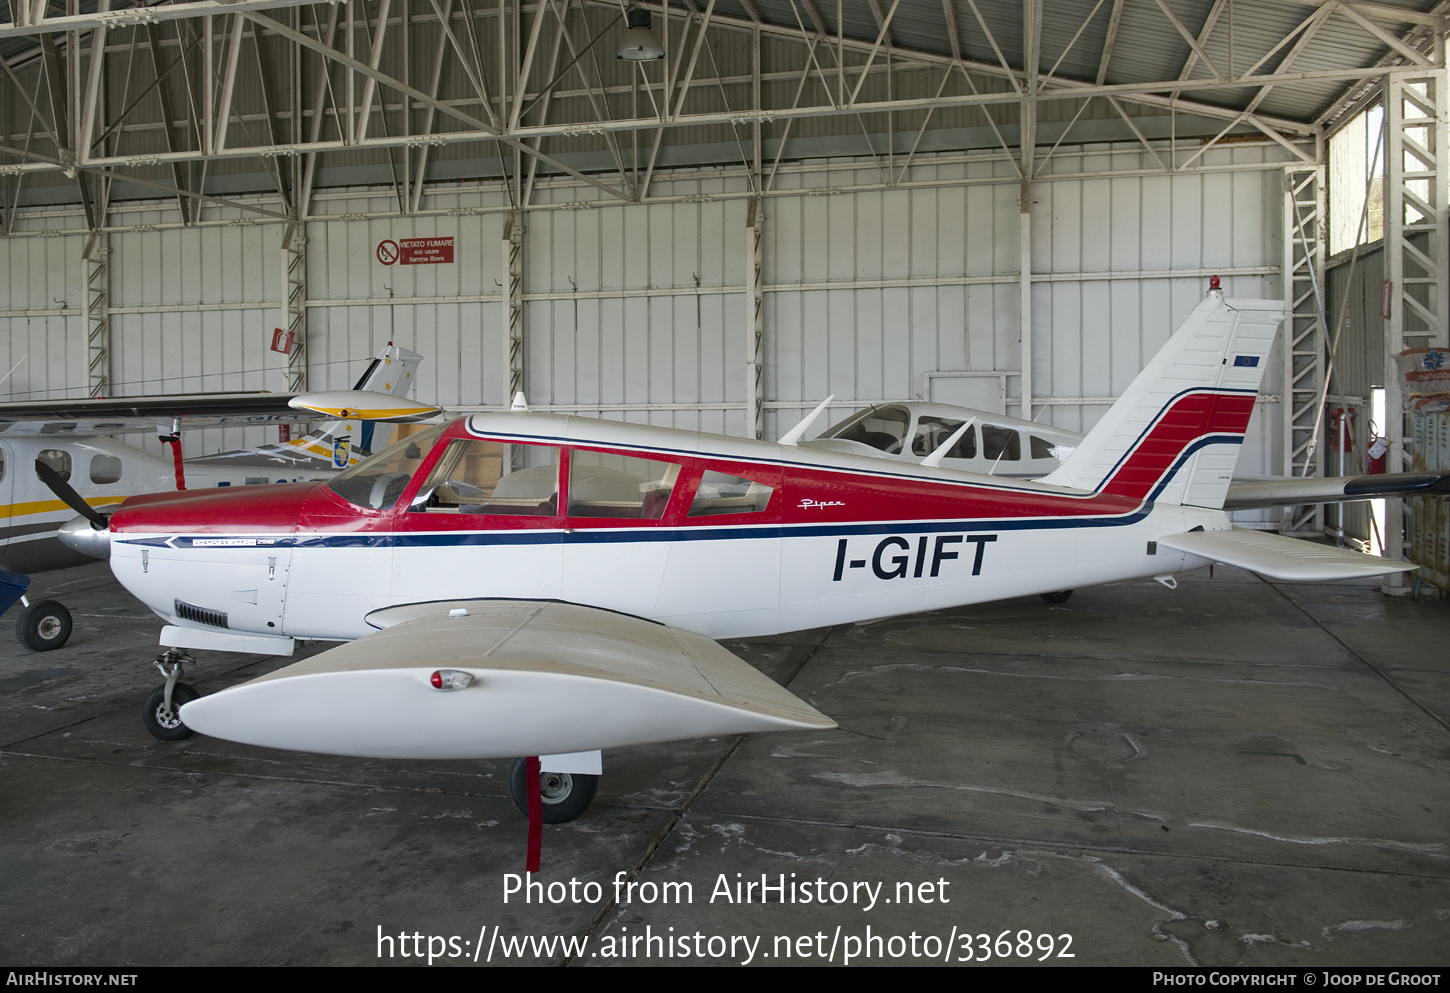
(640, 44)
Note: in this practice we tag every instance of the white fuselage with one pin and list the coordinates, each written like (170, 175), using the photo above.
(736, 579)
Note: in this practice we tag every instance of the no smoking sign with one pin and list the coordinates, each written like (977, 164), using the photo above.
(416, 251)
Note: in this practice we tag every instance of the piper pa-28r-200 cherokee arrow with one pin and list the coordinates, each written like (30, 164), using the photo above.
(518, 583)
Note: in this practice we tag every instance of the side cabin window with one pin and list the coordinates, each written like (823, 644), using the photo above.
(932, 433)
(1042, 448)
(722, 493)
(1001, 443)
(105, 469)
(481, 476)
(603, 484)
(58, 459)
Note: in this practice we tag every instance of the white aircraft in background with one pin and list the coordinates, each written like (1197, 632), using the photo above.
(71, 438)
(518, 583)
(908, 431)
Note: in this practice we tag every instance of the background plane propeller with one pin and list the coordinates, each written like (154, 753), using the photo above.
(58, 485)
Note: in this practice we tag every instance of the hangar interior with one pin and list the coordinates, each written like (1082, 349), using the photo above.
(1005, 204)
(793, 201)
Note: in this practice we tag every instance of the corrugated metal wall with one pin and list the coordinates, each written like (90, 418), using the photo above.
(1359, 364)
(637, 311)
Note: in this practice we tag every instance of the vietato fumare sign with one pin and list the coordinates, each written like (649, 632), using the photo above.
(415, 251)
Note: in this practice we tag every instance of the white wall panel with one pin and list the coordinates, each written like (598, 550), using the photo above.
(637, 311)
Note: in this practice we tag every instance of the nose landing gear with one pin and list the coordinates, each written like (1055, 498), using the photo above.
(162, 711)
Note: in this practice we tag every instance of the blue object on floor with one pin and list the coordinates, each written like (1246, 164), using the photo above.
(12, 587)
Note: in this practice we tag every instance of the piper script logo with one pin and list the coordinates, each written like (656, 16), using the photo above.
(814, 504)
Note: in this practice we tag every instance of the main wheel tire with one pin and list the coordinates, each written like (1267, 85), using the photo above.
(43, 626)
(1061, 596)
(168, 727)
(564, 795)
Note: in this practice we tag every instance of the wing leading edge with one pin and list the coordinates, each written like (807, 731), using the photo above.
(546, 678)
(137, 415)
(1290, 491)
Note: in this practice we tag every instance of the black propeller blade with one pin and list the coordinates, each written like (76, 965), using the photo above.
(67, 493)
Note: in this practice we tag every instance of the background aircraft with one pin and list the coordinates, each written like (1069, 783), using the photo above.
(528, 584)
(71, 438)
(909, 430)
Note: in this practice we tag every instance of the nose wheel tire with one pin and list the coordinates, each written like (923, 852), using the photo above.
(43, 626)
(1061, 596)
(163, 724)
(564, 795)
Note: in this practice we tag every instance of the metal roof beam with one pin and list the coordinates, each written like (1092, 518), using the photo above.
(132, 16)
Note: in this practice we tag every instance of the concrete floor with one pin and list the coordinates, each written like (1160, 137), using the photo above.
(1232, 773)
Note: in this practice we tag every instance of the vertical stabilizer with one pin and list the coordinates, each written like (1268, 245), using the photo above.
(1176, 432)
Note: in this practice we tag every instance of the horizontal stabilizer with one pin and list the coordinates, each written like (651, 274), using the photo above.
(362, 405)
(546, 678)
(1277, 557)
(1289, 491)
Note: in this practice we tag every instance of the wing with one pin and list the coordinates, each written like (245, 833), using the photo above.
(134, 415)
(1286, 491)
(546, 678)
(1277, 557)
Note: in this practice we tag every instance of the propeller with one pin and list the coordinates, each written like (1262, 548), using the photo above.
(57, 484)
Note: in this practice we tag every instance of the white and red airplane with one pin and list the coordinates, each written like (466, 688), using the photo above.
(518, 583)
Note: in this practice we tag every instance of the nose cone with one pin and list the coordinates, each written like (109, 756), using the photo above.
(78, 534)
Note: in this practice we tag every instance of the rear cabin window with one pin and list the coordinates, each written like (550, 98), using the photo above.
(721, 493)
(480, 476)
(105, 469)
(605, 485)
(57, 459)
(1042, 448)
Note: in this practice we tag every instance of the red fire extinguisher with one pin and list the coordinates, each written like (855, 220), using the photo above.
(1377, 452)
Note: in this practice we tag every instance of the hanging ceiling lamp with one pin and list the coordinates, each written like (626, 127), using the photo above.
(640, 43)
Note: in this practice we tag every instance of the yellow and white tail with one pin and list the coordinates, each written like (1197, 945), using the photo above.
(341, 443)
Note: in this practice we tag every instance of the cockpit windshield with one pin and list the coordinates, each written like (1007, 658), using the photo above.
(378, 482)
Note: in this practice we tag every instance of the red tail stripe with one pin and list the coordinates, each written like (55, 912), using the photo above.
(1188, 419)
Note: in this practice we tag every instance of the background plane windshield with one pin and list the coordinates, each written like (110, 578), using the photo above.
(883, 428)
(379, 481)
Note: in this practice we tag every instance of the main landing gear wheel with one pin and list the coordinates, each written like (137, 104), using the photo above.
(43, 626)
(163, 723)
(1061, 596)
(564, 795)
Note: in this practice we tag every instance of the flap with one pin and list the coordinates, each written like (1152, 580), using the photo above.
(1277, 557)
